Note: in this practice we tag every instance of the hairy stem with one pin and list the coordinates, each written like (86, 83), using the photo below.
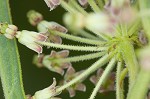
(78, 7)
(10, 68)
(119, 91)
(78, 39)
(87, 35)
(103, 77)
(82, 57)
(141, 85)
(72, 47)
(68, 7)
(94, 5)
(130, 60)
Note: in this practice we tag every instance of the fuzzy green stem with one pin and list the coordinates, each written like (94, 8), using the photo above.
(72, 47)
(78, 39)
(10, 68)
(100, 35)
(82, 57)
(103, 77)
(129, 57)
(141, 85)
(87, 72)
(78, 7)
(119, 91)
(94, 6)
(68, 7)
(87, 35)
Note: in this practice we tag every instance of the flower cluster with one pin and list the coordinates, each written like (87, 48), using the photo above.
(112, 33)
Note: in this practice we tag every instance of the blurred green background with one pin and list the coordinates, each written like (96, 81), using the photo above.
(34, 78)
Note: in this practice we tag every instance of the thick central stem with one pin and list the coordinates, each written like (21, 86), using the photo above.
(129, 57)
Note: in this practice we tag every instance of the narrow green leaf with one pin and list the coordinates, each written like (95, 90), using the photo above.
(10, 68)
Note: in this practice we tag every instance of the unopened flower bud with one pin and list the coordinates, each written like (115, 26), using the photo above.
(52, 4)
(101, 22)
(38, 60)
(47, 93)
(8, 30)
(50, 63)
(34, 17)
(142, 37)
(75, 21)
(71, 74)
(44, 26)
(30, 39)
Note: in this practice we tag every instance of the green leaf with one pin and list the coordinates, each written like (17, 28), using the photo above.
(10, 68)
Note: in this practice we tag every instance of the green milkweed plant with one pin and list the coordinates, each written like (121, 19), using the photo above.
(115, 33)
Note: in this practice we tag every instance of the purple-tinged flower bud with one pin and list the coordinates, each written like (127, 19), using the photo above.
(52, 4)
(142, 37)
(47, 93)
(70, 74)
(38, 60)
(114, 7)
(45, 25)
(83, 3)
(109, 84)
(101, 22)
(49, 61)
(34, 17)
(30, 39)
(8, 30)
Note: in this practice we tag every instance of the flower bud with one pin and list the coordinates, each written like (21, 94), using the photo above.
(44, 26)
(52, 4)
(101, 22)
(49, 61)
(38, 60)
(34, 17)
(47, 93)
(70, 74)
(75, 21)
(30, 39)
(8, 30)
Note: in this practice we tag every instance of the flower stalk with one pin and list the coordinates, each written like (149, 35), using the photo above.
(103, 77)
